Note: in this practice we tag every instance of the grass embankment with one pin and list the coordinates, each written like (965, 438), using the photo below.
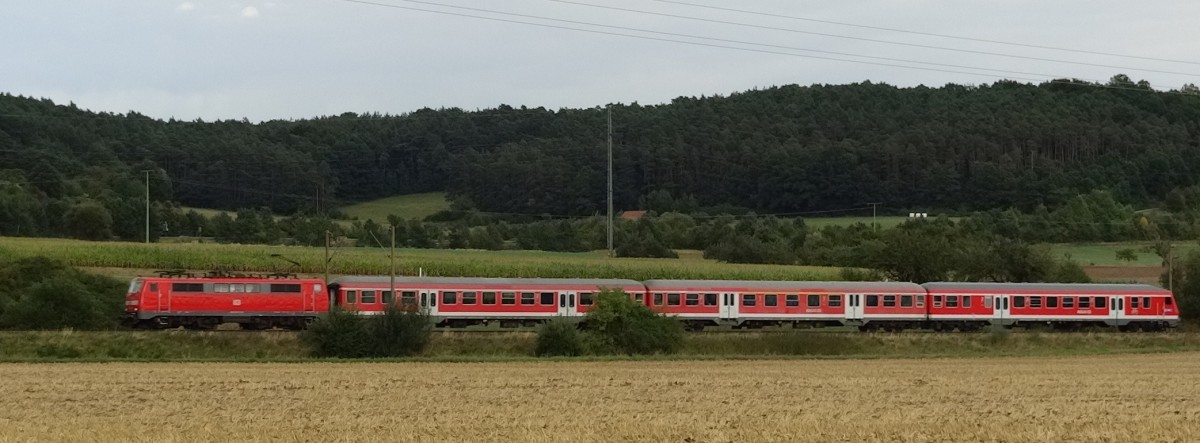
(357, 261)
(469, 346)
(1080, 399)
(409, 206)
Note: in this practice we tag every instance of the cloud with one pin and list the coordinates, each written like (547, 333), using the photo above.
(249, 12)
(185, 7)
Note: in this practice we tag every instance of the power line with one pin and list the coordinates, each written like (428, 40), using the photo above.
(872, 40)
(928, 34)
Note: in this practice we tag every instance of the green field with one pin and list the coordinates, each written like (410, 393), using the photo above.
(409, 206)
(435, 262)
(1105, 254)
(884, 221)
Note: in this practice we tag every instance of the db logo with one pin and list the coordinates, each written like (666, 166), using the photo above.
(237, 302)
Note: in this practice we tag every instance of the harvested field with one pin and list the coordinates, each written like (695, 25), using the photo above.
(1125, 274)
(1079, 399)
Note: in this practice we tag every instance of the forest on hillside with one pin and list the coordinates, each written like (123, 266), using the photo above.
(778, 150)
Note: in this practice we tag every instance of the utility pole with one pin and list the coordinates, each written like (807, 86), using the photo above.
(147, 205)
(873, 225)
(326, 257)
(392, 258)
(610, 185)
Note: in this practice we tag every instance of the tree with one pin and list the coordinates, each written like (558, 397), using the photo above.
(88, 220)
(618, 324)
(1127, 255)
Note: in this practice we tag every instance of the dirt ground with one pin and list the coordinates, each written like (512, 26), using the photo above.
(1125, 274)
(1150, 397)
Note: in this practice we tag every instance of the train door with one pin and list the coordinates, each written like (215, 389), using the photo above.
(566, 303)
(162, 294)
(729, 306)
(854, 307)
(1116, 310)
(1002, 312)
(310, 298)
(429, 302)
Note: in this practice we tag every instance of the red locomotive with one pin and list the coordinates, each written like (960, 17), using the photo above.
(255, 302)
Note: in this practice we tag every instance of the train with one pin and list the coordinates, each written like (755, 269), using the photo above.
(176, 300)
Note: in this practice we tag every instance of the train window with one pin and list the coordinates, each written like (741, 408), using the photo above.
(547, 298)
(527, 298)
(1068, 302)
(748, 300)
(469, 298)
(510, 298)
(1018, 302)
(1035, 302)
(770, 300)
(153, 287)
(835, 301)
(1085, 302)
(221, 287)
(966, 301)
(710, 299)
(692, 299)
(814, 300)
(255, 288)
(585, 298)
(920, 301)
(1133, 303)
(285, 287)
(408, 298)
(1169, 301)
(937, 301)
(449, 297)
(673, 299)
(872, 300)
(658, 299)
(237, 287)
(388, 297)
(1051, 302)
(906, 301)
(889, 301)
(489, 298)
(640, 297)
(792, 300)
(951, 301)
(136, 286)
(368, 296)
(987, 302)
(1101, 302)
(1145, 302)
(351, 296)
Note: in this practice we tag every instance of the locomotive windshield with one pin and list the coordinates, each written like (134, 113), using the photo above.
(135, 286)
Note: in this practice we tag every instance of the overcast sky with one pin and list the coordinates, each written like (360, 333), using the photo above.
(294, 59)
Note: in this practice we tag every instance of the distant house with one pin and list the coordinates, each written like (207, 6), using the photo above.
(632, 215)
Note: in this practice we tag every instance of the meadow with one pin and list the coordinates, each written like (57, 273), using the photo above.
(1073, 399)
(358, 261)
(409, 206)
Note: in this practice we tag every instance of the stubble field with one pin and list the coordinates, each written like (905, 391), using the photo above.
(1081, 399)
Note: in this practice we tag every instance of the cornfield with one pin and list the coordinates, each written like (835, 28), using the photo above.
(359, 261)
(1078, 399)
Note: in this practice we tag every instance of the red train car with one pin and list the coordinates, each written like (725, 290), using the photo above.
(204, 302)
(460, 302)
(869, 305)
(1129, 307)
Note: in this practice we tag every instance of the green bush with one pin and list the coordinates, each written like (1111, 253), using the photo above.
(559, 337)
(344, 334)
(617, 324)
(39, 293)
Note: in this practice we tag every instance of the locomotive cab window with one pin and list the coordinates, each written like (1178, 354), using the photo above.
(692, 300)
(547, 298)
(153, 287)
(771, 300)
(792, 300)
(748, 300)
(368, 296)
(510, 298)
(1169, 301)
(835, 301)
(906, 301)
(527, 298)
(814, 301)
(872, 300)
(710, 299)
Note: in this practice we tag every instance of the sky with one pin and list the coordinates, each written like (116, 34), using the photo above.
(264, 60)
